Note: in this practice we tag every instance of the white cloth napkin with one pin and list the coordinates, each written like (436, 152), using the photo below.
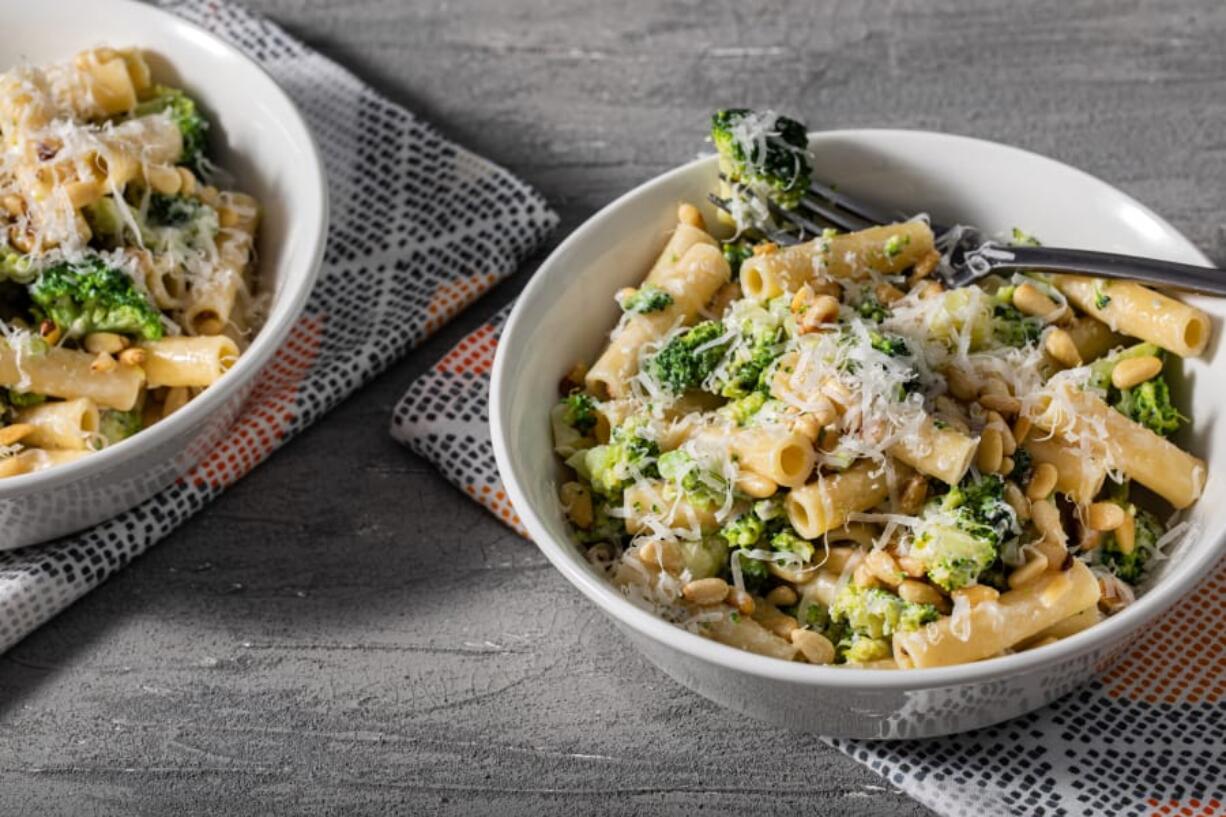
(381, 293)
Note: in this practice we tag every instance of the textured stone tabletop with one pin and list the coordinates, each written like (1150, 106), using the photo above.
(343, 632)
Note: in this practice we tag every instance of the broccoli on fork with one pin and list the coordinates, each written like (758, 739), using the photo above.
(765, 151)
(87, 296)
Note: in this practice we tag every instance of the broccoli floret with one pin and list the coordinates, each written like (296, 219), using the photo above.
(754, 572)
(580, 412)
(701, 487)
(186, 115)
(1130, 567)
(611, 467)
(962, 532)
(25, 399)
(1021, 238)
(88, 296)
(744, 531)
(763, 150)
(751, 363)
(736, 253)
(119, 425)
(647, 298)
(877, 613)
(1022, 465)
(1010, 326)
(889, 345)
(680, 365)
(790, 541)
(860, 649)
(743, 410)
(1149, 404)
(871, 309)
(169, 223)
(14, 266)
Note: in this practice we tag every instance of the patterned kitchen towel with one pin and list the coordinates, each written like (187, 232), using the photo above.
(403, 257)
(1147, 737)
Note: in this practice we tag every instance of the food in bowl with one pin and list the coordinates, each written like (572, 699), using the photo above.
(818, 452)
(126, 283)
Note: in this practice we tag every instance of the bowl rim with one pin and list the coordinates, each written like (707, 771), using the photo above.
(267, 340)
(1184, 577)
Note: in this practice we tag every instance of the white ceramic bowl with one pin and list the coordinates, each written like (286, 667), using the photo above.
(257, 135)
(567, 309)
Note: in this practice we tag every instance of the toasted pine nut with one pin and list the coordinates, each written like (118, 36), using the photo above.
(931, 289)
(1126, 533)
(988, 455)
(1054, 552)
(1105, 516)
(135, 356)
(961, 385)
(661, 555)
(825, 308)
(741, 600)
(773, 619)
(1060, 346)
(187, 179)
(914, 494)
(864, 577)
(887, 293)
(765, 248)
(14, 433)
(577, 502)
(782, 596)
(919, 592)
(815, 647)
(109, 342)
(911, 566)
(1033, 301)
(882, 565)
(167, 180)
(1028, 572)
(1047, 519)
(1007, 465)
(1131, 372)
(1042, 481)
(1003, 403)
(1018, 501)
(976, 594)
(924, 267)
(13, 204)
(705, 591)
(102, 363)
(176, 398)
(1021, 429)
(803, 299)
(689, 214)
(1007, 440)
(755, 486)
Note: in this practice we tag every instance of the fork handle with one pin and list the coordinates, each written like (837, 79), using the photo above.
(1209, 280)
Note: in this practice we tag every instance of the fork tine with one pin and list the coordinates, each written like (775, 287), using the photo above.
(784, 239)
(858, 207)
(843, 220)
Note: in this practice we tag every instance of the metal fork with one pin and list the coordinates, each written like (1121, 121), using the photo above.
(969, 254)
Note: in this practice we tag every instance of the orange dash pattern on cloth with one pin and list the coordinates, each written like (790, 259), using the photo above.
(1146, 738)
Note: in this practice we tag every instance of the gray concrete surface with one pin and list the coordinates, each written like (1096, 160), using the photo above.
(344, 633)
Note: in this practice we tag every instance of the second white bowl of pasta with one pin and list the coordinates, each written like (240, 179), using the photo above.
(829, 492)
(161, 236)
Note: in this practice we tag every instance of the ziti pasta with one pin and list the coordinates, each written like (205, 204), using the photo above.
(126, 283)
(819, 453)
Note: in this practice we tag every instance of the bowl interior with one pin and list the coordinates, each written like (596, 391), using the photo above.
(566, 311)
(256, 136)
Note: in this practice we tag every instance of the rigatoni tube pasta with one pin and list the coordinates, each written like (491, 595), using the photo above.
(817, 452)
